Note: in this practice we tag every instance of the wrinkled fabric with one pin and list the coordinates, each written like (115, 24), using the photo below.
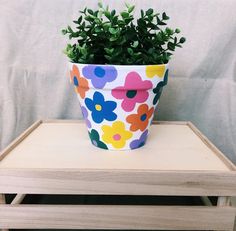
(201, 88)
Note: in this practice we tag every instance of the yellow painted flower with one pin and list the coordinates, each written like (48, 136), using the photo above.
(155, 70)
(116, 135)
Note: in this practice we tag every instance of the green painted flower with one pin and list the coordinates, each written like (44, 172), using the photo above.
(95, 139)
(158, 89)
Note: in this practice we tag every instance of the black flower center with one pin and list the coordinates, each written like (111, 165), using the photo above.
(131, 93)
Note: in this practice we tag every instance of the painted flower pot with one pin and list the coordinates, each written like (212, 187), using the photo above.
(118, 102)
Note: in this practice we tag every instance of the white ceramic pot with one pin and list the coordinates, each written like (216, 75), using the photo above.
(118, 101)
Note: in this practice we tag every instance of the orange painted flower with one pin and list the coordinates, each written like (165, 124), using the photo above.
(140, 120)
(80, 83)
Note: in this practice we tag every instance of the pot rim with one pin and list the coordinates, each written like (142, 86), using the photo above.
(118, 65)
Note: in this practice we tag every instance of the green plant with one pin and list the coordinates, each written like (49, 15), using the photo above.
(105, 37)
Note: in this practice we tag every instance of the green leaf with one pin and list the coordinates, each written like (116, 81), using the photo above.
(164, 16)
(141, 23)
(130, 51)
(178, 45)
(70, 36)
(135, 44)
(106, 26)
(90, 11)
(91, 56)
(142, 13)
(115, 20)
(100, 13)
(149, 11)
(109, 51)
(97, 21)
(169, 31)
(107, 14)
(171, 46)
(182, 40)
(113, 30)
(161, 23)
(177, 30)
(159, 37)
(131, 8)
(128, 20)
(175, 40)
(113, 12)
(150, 50)
(136, 55)
(127, 4)
(100, 4)
(88, 18)
(108, 57)
(78, 20)
(83, 34)
(69, 29)
(83, 11)
(124, 14)
(98, 29)
(64, 31)
(112, 39)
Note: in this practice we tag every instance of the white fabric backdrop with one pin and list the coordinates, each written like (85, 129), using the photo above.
(201, 88)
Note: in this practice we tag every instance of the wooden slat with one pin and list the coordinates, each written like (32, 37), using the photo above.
(206, 201)
(117, 182)
(223, 201)
(234, 228)
(170, 122)
(62, 121)
(82, 121)
(18, 199)
(2, 201)
(116, 217)
(15, 142)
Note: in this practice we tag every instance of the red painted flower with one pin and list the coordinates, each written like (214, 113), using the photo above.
(80, 83)
(134, 91)
(140, 120)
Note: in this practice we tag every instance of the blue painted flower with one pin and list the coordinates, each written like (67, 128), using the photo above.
(158, 89)
(99, 75)
(139, 142)
(100, 108)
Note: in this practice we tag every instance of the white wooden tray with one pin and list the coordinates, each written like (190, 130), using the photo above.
(66, 145)
(56, 157)
(176, 155)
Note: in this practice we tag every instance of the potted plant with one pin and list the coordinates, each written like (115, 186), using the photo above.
(119, 66)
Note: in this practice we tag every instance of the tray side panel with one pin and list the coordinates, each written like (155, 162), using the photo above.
(116, 217)
(193, 183)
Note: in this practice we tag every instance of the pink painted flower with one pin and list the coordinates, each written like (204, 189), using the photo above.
(134, 91)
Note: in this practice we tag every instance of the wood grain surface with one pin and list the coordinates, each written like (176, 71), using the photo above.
(116, 217)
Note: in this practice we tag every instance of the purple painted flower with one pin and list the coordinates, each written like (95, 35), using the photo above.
(85, 115)
(139, 142)
(99, 75)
